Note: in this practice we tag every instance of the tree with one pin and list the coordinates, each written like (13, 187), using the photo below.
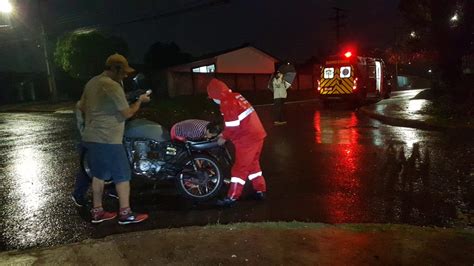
(82, 54)
(161, 55)
(443, 28)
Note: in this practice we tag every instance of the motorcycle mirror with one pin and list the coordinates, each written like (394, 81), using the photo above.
(139, 77)
(138, 80)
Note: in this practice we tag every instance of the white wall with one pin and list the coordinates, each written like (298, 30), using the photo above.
(245, 60)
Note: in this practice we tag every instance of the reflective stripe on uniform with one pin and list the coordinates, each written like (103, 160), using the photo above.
(253, 176)
(234, 123)
(237, 180)
(241, 117)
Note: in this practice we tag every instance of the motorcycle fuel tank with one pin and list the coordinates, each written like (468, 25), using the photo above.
(143, 128)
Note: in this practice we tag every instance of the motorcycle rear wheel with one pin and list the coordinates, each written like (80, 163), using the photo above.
(203, 182)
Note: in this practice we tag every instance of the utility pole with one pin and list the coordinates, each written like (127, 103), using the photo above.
(49, 71)
(397, 54)
(339, 19)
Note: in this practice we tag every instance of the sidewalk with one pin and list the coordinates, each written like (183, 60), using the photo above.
(264, 244)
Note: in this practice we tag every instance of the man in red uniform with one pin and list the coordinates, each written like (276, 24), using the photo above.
(244, 129)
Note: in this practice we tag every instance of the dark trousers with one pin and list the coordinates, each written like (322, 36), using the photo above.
(82, 182)
(278, 109)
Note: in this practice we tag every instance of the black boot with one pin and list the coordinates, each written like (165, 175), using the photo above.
(259, 195)
(226, 202)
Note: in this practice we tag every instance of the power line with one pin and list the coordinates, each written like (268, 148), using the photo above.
(169, 13)
(179, 11)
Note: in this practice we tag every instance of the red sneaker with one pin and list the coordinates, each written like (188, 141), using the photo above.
(99, 215)
(132, 218)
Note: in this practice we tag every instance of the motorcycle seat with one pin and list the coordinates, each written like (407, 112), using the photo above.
(203, 145)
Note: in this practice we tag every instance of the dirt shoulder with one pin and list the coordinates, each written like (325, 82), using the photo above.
(283, 243)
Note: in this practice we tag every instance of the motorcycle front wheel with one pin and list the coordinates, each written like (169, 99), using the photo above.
(201, 178)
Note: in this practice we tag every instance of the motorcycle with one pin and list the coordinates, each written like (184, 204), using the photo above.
(197, 167)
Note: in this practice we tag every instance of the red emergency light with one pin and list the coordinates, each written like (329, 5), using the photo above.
(348, 54)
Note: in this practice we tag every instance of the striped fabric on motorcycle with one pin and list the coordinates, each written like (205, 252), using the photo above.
(192, 129)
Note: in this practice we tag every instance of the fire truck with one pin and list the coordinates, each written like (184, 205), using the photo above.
(353, 78)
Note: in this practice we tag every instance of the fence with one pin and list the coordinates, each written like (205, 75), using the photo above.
(20, 87)
(185, 83)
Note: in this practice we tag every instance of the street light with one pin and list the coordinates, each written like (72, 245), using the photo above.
(5, 6)
(454, 18)
(5, 10)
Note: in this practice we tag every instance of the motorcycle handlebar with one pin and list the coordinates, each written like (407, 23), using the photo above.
(133, 96)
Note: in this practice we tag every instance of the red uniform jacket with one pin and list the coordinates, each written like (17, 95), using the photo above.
(242, 123)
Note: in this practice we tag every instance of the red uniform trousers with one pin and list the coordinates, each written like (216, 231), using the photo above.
(247, 165)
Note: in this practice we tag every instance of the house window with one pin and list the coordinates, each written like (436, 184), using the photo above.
(205, 69)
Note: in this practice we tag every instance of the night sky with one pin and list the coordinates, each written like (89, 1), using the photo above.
(293, 30)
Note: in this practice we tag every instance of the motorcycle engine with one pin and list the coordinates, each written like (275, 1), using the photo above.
(147, 159)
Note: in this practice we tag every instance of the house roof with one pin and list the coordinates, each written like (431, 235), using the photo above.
(208, 56)
(226, 51)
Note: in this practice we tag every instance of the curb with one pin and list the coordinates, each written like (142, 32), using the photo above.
(287, 102)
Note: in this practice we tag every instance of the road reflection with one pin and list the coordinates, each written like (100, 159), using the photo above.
(26, 164)
(392, 179)
(341, 130)
(342, 179)
(27, 197)
(343, 202)
(416, 105)
(30, 178)
(409, 137)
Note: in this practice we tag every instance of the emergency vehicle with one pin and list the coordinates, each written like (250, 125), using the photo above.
(352, 77)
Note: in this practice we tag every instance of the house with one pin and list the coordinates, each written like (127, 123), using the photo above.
(242, 68)
(244, 60)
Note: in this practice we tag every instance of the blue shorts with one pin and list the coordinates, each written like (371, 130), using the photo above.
(108, 161)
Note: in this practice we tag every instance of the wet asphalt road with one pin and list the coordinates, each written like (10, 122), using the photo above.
(328, 164)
